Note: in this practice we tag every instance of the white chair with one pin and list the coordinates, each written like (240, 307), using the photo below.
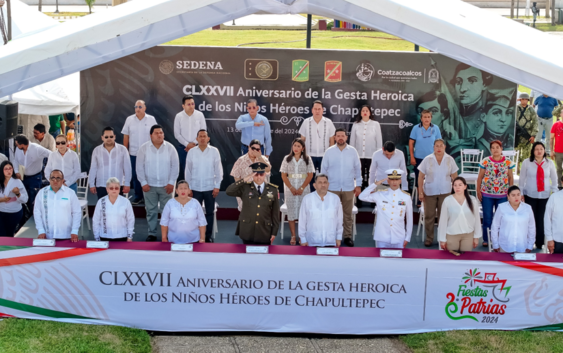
(514, 157)
(354, 213)
(421, 221)
(490, 242)
(414, 195)
(215, 228)
(82, 194)
(283, 210)
(470, 159)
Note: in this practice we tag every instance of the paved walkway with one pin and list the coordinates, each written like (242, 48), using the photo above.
(278, 344)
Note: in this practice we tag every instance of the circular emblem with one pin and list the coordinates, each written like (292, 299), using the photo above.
(166, 67)
(264, 69)
(433, 76)
(365, 72)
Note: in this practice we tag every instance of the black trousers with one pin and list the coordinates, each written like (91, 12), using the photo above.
(365, 164)
(538, 208)
(207, 198)
(250, 242)
(9, 222)
(113, 239)
(558, 248)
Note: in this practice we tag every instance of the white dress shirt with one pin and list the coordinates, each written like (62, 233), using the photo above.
(528, 174)
(186, 126)
(138, 131)
(32, 160)
(3, 158)
(317, 136)
(438, 179)
(380, 164)
(393, 207)
(204, 171)
(513, 231)
(157, 166)
(183, 222)
(366, 138)
(105, 165)
(342, 167)
(58, 215)
(113, 220)
(553, 218)
(68, 164)
(459, 219)
(320, 222)
(260, 187)
(15, 203)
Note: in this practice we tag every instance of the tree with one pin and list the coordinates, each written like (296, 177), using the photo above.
(90, 3)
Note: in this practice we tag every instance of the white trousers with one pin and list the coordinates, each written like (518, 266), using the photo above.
(382, 244)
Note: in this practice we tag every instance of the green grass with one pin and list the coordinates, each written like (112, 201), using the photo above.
(485, 341)
(320, 40)
(19, 335)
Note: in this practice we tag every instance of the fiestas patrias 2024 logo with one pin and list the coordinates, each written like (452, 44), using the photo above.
(478, 295)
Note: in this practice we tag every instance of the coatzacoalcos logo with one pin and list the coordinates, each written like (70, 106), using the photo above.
(166, 67)
(365, 71)
(485, 296)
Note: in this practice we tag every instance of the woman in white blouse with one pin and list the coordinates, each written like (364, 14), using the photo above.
(513, 229)
(296, 171)
(113, 218)
(366, 139)
(538, 179)
(12, 196)
(459, 228)
(182, 219)
(66, 160)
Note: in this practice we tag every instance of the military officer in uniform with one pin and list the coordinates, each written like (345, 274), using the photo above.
(259, 219)
(393, 207)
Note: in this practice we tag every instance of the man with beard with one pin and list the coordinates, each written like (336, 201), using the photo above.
(341, 163)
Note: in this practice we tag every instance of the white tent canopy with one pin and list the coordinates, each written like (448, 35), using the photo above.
(450, 27)
(56, 97)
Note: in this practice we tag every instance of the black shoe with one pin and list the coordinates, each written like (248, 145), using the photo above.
(428, 244)
(210, 240)
(349, 242)
(137, 201)
(151, 238)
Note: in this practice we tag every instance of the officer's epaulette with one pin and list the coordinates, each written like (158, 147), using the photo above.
(274, 185)
(406, 192)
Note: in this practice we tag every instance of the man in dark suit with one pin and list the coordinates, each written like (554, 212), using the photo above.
(259, 218)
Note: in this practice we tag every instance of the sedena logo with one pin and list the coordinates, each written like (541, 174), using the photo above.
(482, 298)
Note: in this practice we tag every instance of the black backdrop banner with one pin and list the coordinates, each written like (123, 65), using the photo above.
(470, 106)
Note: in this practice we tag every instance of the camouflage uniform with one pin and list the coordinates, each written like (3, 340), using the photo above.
(529, 123)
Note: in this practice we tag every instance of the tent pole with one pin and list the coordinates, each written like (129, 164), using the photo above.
(309, 21)
(9, 13)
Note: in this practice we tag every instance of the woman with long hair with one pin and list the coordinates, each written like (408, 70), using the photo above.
(538, 180)
(366, 139)
(12, 196)
(493, 181)
(182, 219)
(297, 171)
(459, 227)
(514, 228)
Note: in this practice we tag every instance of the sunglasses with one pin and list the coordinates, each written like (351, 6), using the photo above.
(251, 108)
(138, 107)
(255, 149)
(113, 188)
(109, 137)
(61, 143)
(56, 179)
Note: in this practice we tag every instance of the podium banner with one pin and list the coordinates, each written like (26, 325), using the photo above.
(196, 291)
